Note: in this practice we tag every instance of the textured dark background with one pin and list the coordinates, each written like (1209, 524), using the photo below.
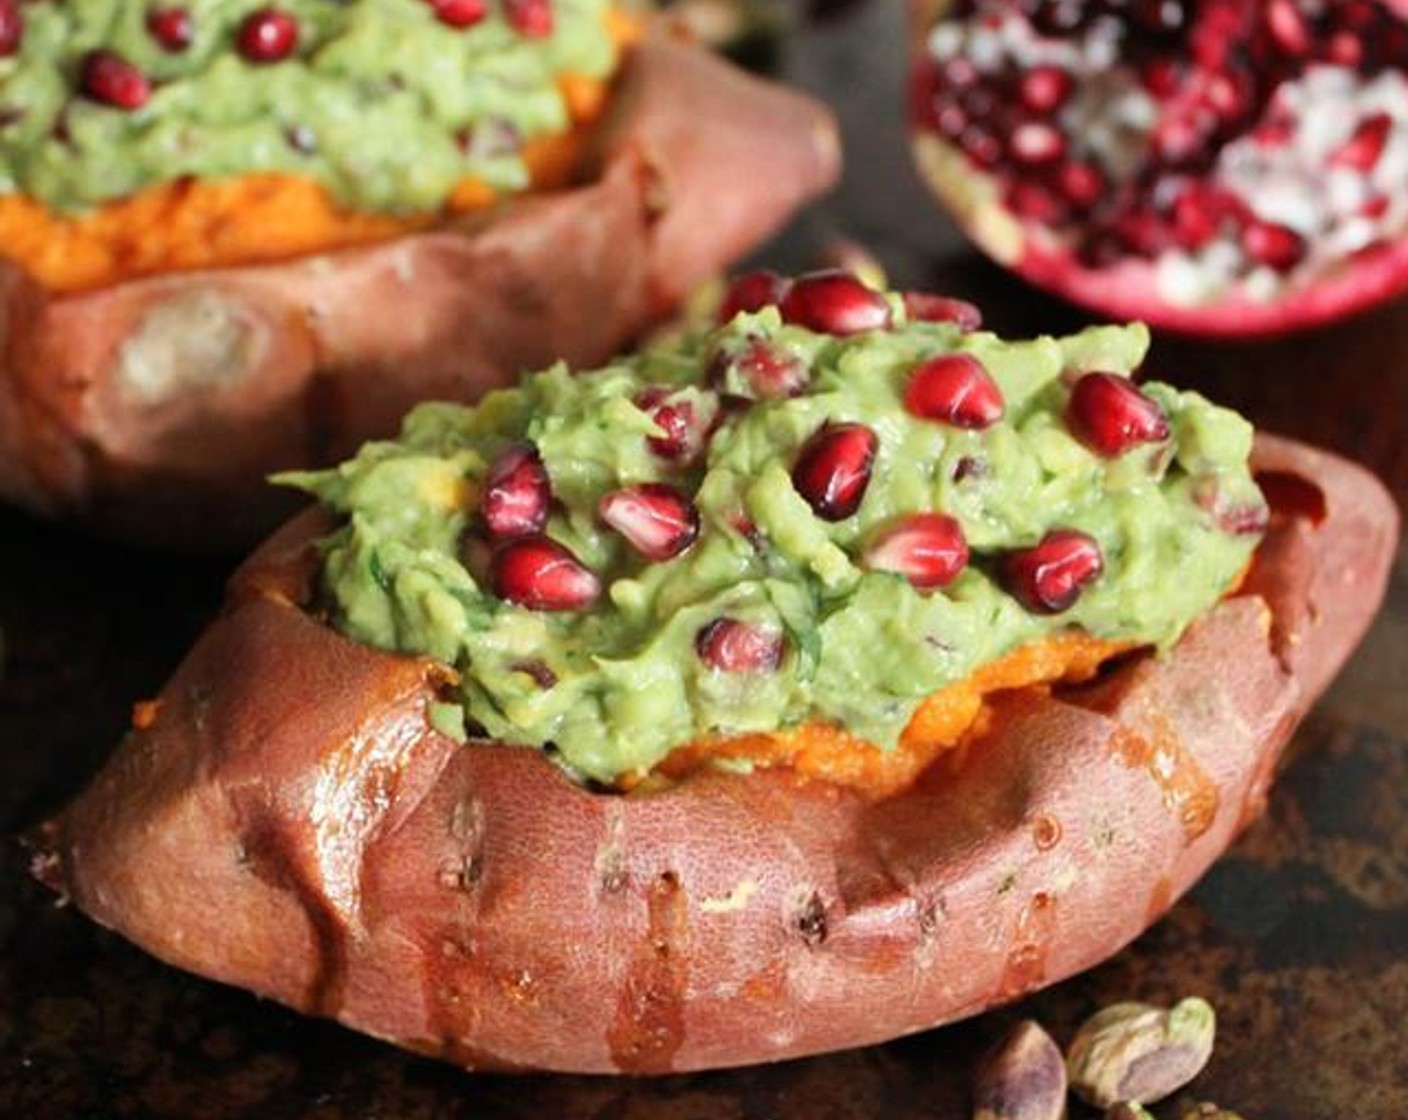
(1299, 936)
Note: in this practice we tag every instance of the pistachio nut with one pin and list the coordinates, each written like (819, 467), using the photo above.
(1137, 1053)
(1021, 1078)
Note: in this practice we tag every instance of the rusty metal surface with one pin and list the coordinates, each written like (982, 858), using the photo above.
(1299, 936)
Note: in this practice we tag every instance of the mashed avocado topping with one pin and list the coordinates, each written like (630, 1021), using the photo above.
(737, 592)
(389, 104)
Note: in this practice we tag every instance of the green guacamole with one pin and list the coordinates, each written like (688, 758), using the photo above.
(381, 102)
(624, 680)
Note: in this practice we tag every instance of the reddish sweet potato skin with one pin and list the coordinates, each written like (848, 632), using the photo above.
(139, 408)
(291, 824)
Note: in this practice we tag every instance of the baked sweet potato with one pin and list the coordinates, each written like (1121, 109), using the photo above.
(141, 407)
(290, 822)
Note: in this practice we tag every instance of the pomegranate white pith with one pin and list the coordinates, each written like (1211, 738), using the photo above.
(1212, 166)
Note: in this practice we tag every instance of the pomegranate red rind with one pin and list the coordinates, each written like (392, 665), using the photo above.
(1243, 171)
(142, 408)
(297, 827)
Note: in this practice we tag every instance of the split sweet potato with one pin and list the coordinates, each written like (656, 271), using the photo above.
(141, 408)
(289, 821)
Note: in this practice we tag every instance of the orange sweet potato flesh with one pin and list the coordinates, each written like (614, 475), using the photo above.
(253, 219)
(142, 407)
(828, 753)
(289, 821)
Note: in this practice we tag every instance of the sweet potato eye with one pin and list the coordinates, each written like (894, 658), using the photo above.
(1293, 495)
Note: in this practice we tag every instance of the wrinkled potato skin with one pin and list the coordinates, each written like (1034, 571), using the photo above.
(139, 408)
(471, 903)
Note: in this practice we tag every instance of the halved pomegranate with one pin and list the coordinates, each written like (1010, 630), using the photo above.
(1216, 167)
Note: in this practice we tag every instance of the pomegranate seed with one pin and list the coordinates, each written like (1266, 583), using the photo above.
(1243, 519)
(1110, 415)
(1376, 207)
(1036, 142)
(752, 292)
(11, 28)
(921, 307)
(954, 389)
(1163, 77)
(835, 302)
(173, 28)
(1083, 184)
(1345, 49)
(1287, 27)
(542, 575)
(114, 81)
(685, 433)
(1049, 577)
(517, 493)
(1228, 94)
(981, 146)
(928, 549)
(957, 73)
(268, 35)
(950, 120)
(1197, 217)
(1273, 245)
(833, 469)
(771, 372)
(460, 13)
(1035, 203)
(1361, 151)
(657, 520)
(1044, 89)
(733, 646)
(532, 18)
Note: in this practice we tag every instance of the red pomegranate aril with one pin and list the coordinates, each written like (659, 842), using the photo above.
(1197, 217)
(773, 373)
(112, 80)
(833, 469)
(542, 575)
(1228, 94)
(1035, 142)
(11, 28)
(173, 28)
(1275, 246)
(835, 302)
(659, 521)
(684, 438)
(750, 293)
(1082, 184)
(1345, 49)
(1049, 577)
(981, 146)
(954, 389)
(460, 13)
(733, 646)
(517, 493)
(268, 35)
(1162, 77)
(1044, 89)
(928, 549)
(922, 307)
(530, 18)
(1361, 151)
(1287, 27)
(1035, 203)
(1110, 415)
